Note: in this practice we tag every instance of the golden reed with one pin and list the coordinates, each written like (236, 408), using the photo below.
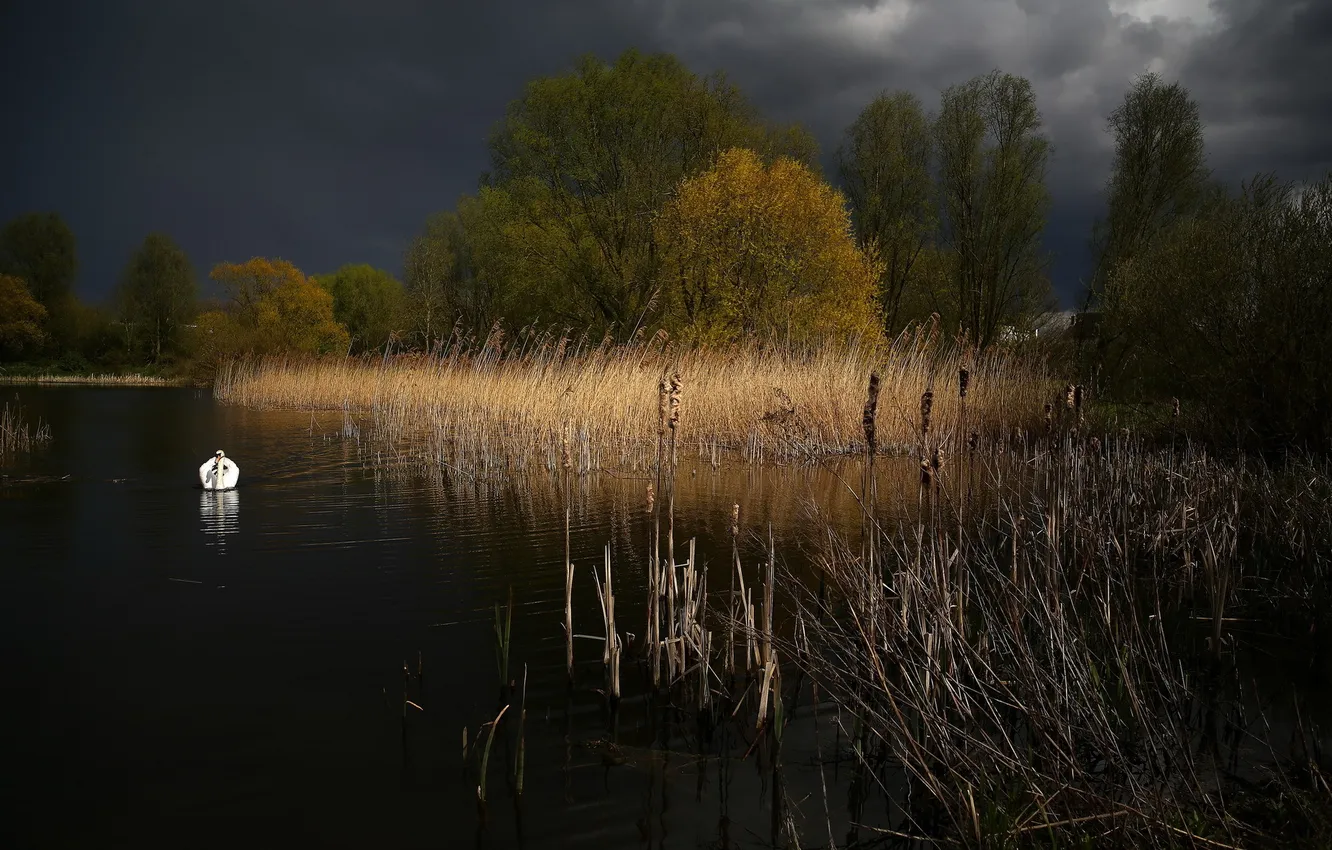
(517, 401)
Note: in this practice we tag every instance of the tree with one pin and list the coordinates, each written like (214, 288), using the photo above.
(40, 249)
(992, 162)
(1158, 177)
(1227, 307)
(1159, 171)
(755, 249)
(158, 292)
(367, 301)
(21, 318)
(273, 307)
(589, 157)
(444, 284)
(884, 164)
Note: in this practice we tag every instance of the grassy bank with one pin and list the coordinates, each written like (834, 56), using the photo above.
(132, 380)
(514, 402)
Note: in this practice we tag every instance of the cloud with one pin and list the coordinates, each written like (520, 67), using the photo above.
(327, 132)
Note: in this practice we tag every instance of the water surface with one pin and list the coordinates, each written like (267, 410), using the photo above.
(211, 667)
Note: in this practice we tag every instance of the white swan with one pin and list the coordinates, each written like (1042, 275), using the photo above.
(219, 473)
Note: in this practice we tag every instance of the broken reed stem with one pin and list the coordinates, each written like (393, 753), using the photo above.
(565, 463)
(673, 649)
(730, 620)
(655, 575)
(612, 654)
(520, 760)
(485, 756)
(502, 634)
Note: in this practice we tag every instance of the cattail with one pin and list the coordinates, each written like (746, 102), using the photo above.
(1069, 396)
(926, 406)
(1095, 445)
(1049, 417)
(1174, 411)
(735, 520)
(662, 391)
(564, 448)
(676, 383)
(1077, 398)
(973, 441)
(963, 381)
(926, 473)
(938, 459)
(871, 410)
(652, 497)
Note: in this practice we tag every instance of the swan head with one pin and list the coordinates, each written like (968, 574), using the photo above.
(219, 454)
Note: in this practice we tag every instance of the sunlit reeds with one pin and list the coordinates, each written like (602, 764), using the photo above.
(508, 402)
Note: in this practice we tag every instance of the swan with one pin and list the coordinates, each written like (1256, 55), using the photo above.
(219, 473)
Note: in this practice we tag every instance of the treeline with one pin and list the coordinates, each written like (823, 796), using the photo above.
(637, 196)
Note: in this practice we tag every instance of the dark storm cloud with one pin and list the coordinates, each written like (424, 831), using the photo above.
(326, 132)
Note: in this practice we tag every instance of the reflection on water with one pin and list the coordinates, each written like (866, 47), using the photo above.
(219, 510)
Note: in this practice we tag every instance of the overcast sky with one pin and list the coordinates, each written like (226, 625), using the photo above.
(325, 132)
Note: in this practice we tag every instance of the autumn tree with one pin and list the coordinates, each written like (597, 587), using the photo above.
(157, 293)
(367, 301)
(992, 161)
(21, 318)
(586, 159)
(273, 306)
(755, 249)
(884, 164)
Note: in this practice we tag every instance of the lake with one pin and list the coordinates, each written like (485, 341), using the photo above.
(213, 667)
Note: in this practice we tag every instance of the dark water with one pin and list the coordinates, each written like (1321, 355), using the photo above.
(207, 668)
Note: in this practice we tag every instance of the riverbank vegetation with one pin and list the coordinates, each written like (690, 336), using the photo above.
(514, 402)
(1074, 638)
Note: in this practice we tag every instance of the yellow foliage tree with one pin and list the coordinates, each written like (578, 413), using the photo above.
(21, 318)
(273, 307)
(755, 249)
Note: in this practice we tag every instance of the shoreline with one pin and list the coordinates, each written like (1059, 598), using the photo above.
(95, 380)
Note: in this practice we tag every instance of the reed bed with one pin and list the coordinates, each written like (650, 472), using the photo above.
(1043, 647)
(18, 436)
(1058, 666)
(1041, 641)
(509, 403)
(97, 380)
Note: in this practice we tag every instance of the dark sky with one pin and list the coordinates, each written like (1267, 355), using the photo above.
(325, 132)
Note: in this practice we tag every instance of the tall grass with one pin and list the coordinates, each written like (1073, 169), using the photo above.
(510, 401)
(17, 435)
(1056, 666)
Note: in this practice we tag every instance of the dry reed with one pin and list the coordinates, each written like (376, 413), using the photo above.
(496, 406)
(18, 436)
